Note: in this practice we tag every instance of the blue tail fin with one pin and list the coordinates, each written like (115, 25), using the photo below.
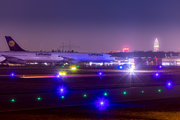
(13, 46)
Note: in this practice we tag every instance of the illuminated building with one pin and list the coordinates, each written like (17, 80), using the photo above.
(125, 49)
(156, 45)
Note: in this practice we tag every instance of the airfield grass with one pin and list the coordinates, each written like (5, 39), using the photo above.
(158, 112)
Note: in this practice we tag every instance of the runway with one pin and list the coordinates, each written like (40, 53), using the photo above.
(36, 88)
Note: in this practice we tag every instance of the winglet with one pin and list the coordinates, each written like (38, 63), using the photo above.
(13, 46)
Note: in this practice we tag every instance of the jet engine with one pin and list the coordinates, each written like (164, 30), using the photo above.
(16, 60)
(12, 60)
(65, 59)
(21, 62)
(2, 58)
(73, 61)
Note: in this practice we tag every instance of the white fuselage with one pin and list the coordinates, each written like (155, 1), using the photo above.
(56, 56)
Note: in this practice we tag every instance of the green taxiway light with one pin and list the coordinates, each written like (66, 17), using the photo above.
(78, 66)
(38, 98)
(85, 95)
(62, 97)
(159, 90)
(142, 91)
(12, 100)
(124, 92)
(105, 94)
(63, 66)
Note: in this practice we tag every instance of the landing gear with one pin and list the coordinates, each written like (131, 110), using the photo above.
(4, 65)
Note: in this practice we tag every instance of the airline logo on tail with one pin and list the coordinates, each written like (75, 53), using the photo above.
(13, 46)
(11, 43)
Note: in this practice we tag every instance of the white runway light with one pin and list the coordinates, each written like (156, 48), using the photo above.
(131, 70)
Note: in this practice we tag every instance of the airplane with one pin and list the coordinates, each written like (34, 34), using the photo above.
(21, 56)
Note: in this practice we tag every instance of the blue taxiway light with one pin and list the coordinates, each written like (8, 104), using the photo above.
(120, 67)
(12, 74)
(157, 74)
(101, 103)
(169, 84)
(100, 73)
(61, 90)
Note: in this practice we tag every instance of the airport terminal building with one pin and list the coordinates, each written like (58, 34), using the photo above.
(171, 61)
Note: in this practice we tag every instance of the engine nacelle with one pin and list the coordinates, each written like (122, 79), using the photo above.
(2, 58)
(73, 61)
(16, 60)
(66, 59)
(12, 60)
(21, 62)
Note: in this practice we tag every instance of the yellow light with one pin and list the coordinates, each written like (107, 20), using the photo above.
(62, 73)
(73, 68)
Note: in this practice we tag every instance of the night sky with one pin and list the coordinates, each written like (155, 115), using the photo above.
(94, 25)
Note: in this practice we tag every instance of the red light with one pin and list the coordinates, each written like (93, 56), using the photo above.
(125, 49)
(156, 58)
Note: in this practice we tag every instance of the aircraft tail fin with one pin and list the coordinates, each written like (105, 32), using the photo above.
(13, 46)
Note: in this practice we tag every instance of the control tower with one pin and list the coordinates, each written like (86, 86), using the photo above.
(156, 45)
